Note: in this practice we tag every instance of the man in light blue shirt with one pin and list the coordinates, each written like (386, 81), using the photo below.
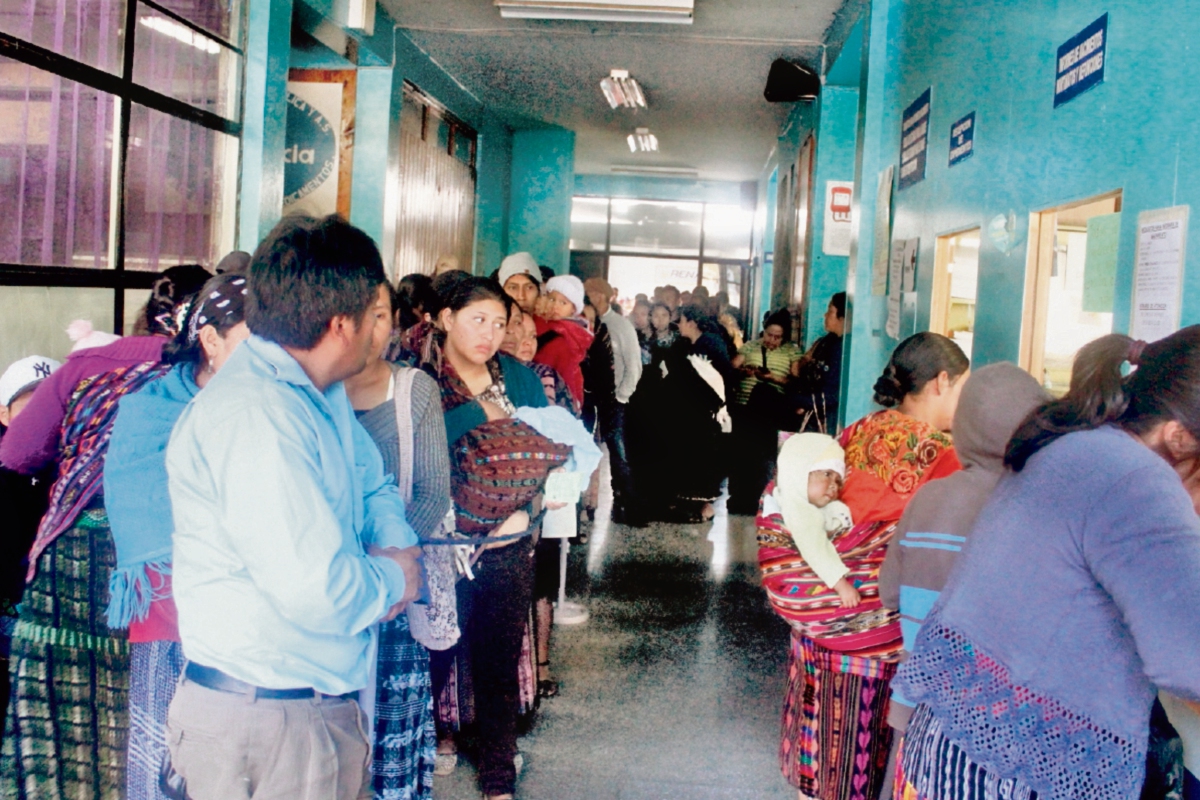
(290, 541)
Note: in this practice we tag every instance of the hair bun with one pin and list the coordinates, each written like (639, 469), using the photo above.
(888, 391)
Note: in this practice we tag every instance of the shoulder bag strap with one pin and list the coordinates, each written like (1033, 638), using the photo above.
(403, 381)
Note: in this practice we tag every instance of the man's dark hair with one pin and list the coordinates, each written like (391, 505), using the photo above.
(306, 272)
(838, 301)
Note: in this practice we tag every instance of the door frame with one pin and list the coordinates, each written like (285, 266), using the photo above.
(1039, 262)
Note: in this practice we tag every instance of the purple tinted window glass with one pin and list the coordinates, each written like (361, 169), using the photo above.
(178, 203)
(55, 167)
(175, 60)
(220, 17)
(85, 30)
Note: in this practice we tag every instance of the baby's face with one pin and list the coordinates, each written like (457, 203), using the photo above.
(824, 486)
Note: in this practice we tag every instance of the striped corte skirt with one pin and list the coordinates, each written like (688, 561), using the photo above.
(836, 737)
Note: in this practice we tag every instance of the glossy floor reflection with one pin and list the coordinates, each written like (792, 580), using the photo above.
(673, 688)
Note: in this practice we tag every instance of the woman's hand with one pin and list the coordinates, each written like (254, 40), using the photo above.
(492, 411)
(847, 594)
(515, 524)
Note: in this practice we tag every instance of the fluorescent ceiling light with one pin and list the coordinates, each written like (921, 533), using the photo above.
(662, 172)
(621, 90)
(181, 33)
(642, 139)
(669, 11)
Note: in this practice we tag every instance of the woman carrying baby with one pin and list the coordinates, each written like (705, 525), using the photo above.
(821, 566)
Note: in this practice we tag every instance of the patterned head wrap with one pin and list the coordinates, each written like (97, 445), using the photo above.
(220, 303)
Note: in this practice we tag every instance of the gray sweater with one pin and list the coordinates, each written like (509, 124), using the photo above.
(431, 470)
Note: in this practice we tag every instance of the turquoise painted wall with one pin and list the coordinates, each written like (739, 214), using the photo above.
(1135, 132)
(835, 162)
(542, 184)
(264, 119)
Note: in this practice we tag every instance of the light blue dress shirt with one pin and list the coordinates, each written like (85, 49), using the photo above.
(276, 489)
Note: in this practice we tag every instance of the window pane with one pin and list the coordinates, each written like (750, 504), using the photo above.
(589, 223)
(55, 168)
(727, 231)
(135, 301)
(642, 226)
(173, 59)
(220, 17)
(710, 278)
(180, 192)
(631, 276)
(34, 319)
(85, 30)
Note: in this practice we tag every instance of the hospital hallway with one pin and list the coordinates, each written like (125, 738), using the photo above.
(674, 686)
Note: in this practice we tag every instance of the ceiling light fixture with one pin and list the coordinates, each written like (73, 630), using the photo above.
(642, 139)
(668, 11)
(662, 172)
(621, 90)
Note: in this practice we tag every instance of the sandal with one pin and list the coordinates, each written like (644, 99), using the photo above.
(546, 688)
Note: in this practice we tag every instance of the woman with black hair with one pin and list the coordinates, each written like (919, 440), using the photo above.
(139, 513)
(1077, 599)
(414, 299)
(66, 727)
(481, 390)
(836, 734)
(694, 415)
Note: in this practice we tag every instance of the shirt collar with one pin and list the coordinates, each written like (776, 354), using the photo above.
(280, 362)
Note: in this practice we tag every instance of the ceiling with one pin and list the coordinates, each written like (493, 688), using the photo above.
(703, 82)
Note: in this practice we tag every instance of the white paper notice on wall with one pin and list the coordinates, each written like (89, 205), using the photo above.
(836, 240)
(883, 232)
(895, 284)
(1158, 274)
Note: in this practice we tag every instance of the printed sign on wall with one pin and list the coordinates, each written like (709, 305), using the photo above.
(836, 238)
(914, 141)
(962, 139)
(310, 160)
(1080, 64)
(1158, 273)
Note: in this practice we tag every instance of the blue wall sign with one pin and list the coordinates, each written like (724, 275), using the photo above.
(1080, 64)
(311, 154)
(962, 139)
(914, 141)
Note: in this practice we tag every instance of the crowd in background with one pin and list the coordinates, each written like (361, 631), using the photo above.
(304, 521)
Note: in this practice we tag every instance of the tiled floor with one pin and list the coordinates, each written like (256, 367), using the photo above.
(673, 688)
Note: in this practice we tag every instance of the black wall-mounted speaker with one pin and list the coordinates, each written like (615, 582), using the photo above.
(788, 82)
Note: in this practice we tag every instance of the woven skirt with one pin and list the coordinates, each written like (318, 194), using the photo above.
(154, 672)
(931, 767)
(405, 741)
(66, 727)
(836, 737)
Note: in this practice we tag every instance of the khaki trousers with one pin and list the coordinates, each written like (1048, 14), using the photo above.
(231, 747)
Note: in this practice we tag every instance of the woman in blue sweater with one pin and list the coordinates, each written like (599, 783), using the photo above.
(1076, 598)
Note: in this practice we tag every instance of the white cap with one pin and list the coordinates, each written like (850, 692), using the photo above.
(569, 287)
(23, 375)
(519, 264)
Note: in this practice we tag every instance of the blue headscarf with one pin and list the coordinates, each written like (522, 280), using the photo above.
(135, 491)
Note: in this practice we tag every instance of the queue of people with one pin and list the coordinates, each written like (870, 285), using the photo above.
(1033, 579)
(287, 539)
(307, 563)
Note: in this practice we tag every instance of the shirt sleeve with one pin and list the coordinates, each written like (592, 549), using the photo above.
(1141, 540)
(385, 522)
(272, 504)
(431, 467)
(892, 569)
(628, 353)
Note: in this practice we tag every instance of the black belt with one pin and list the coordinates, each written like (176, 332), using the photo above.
(214, 679)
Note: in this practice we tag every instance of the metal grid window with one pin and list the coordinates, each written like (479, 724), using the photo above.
(120, 126)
